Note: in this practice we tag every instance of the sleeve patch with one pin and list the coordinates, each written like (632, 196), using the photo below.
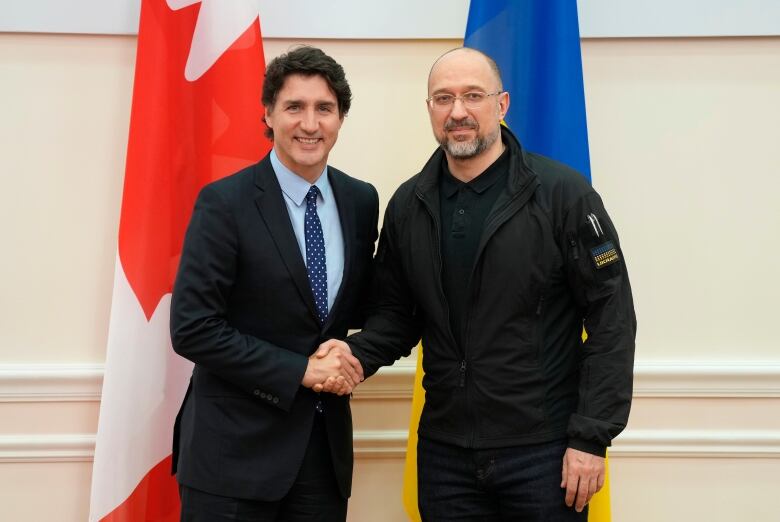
(604, 254)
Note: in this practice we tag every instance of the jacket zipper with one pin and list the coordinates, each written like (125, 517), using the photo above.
(437, 233)
(497, 221)
(539, 306)
(493, 225)
(462, 377)
(573, 246)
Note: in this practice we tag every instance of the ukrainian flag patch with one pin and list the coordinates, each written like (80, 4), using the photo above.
(604, 254)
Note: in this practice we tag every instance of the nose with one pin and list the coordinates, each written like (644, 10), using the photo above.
(458, 111)
(309, 121)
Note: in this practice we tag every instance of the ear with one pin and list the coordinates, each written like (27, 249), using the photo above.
(503, 104)
(269, 117)
(428, 108)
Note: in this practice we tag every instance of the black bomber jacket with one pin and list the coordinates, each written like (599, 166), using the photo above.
(549, 263)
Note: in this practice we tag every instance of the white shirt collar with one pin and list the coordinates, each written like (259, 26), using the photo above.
(295, 187)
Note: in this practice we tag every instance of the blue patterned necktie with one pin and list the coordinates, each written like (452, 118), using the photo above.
(315, 254)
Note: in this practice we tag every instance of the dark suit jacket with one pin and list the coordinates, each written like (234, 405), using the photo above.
(244, 313)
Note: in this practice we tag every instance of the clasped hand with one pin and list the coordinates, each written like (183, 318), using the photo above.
(333, 369)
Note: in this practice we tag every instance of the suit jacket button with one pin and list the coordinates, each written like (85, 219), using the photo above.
(262, 395)
(276, 400)
(256, 392)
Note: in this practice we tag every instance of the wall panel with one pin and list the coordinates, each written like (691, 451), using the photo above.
(682, 136)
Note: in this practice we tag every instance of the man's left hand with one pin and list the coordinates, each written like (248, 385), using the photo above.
(582, 476)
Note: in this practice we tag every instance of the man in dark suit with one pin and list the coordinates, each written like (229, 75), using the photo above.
(276, 259)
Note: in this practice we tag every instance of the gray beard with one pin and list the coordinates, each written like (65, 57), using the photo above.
(469, 149)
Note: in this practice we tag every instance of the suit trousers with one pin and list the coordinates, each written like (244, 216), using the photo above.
(314, 496)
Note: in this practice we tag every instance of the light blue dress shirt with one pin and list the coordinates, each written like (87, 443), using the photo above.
(295, 189)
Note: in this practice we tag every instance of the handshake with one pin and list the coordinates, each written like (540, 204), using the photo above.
(333, 369)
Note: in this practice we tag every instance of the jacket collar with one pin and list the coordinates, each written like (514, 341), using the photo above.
(270, 204)
(520, 173)
(339, 183)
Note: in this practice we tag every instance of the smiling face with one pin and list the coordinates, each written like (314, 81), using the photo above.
(465, 132)
(305, 120)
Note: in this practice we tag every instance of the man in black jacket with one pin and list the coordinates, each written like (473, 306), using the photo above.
(497, 258)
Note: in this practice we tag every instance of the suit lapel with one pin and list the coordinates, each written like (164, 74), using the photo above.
(273, 210)
(339, 184)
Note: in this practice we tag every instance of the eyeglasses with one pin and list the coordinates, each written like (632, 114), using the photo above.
(472, 100)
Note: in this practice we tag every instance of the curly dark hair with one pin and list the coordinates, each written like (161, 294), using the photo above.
(307, 61)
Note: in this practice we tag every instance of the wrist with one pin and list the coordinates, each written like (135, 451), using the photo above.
(594, 448)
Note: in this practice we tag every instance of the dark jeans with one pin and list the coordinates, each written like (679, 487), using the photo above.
(518, 484)
(314, 496)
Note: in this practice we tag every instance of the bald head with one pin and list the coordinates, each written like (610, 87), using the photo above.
(465, 57)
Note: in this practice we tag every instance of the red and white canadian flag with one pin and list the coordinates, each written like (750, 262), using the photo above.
(196, 117)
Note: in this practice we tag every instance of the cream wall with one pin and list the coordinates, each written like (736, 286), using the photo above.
(683, 137)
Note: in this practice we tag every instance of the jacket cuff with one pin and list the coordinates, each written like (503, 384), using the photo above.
(289, 384)
(594, 448)
(368, 371)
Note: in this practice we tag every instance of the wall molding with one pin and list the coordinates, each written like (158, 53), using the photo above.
(50, 382)
(82, 382)
(707, 379)
(68, 447)
(679, 379)
(376, 444)
(632, 443)
(391, 382)
(391, 444)
(674, 379)
(697, 444)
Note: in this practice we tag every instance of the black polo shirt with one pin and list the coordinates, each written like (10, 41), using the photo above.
(464, 207)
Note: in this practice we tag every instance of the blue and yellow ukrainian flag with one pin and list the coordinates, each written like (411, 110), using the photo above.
(536, 44)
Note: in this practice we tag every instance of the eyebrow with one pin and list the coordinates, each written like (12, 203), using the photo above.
(302, 102)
